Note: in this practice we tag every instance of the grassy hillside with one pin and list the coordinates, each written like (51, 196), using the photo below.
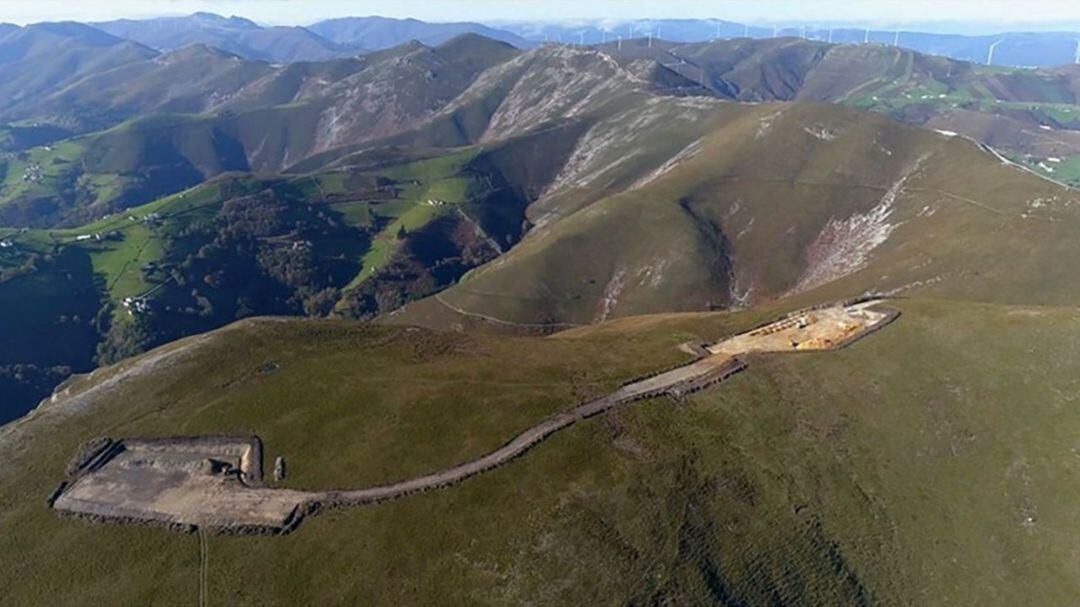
(361, 241)
(774, 201)
(81, 179)
(45, 57)
(233, 34)
(928, 464)
(196, 112)
(638, 205)
(179, 119)
(1031, 114)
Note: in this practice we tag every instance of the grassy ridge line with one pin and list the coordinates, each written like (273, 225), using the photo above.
(879, 471)
(787, 201)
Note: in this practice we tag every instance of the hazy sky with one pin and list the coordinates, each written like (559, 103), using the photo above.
(992, 13)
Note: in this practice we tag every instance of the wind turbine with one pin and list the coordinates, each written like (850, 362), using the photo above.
(804, 32)
(830, 35)
(581, 38)
(896, 39)
(774, 31)
(990, 54)
(866, 37)
(603, 36)
(1077, 51)
(620, 42)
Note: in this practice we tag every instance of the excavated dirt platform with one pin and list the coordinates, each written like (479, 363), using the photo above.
(216, 482)
(183, 482)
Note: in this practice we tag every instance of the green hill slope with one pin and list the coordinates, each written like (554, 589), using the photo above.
(363, 240)
(197, 111)
(778, 200)
(43, 57)
(929, 464)
(1032, 115)
(235, 116)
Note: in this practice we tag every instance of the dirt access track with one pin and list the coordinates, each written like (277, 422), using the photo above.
(216, 482)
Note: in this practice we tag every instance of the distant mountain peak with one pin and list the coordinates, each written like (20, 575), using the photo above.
(75, 30)
(233, 21)
(376, 33)
(473, 38)
(196, 50)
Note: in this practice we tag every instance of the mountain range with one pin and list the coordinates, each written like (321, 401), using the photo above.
(1015, 49)
(386, 247)
(482, 170)
(234, 35)
(349, 36)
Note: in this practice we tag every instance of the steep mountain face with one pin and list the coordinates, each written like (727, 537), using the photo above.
(48, 56)
(377, 33)
(558, 186)
(269, 118)
(536, 92)
(193, 80)
(402, 89)
(234, 35)
(264, 119)
(1029, 115)
(774, 201)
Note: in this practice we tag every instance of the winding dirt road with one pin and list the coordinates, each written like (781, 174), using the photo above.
(690, 377)
(159, 490)
(824, 329)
